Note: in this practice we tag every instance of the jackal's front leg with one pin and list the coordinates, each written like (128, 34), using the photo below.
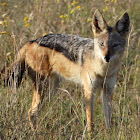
(107, 105)
(89, 101)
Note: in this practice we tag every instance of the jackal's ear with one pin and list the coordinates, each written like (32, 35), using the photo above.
(99, 24)
(122, 26)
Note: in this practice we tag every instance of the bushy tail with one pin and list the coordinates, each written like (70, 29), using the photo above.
(15, 71)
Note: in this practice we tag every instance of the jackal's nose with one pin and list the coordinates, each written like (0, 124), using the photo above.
(107, 58)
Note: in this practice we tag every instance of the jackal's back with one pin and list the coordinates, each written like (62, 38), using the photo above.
(72, 46)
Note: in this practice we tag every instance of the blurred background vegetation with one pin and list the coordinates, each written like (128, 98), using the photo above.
(64, 115)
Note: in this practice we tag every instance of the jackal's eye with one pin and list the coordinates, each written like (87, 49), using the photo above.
(101, 44)
(115, 45)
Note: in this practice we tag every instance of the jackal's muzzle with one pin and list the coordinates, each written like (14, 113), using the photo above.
(107, 57)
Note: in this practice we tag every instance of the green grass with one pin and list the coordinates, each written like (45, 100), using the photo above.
(64, 116)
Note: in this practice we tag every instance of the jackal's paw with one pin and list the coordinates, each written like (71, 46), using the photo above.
(90, 128)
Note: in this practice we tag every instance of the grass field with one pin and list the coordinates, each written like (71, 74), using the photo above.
(64, 116)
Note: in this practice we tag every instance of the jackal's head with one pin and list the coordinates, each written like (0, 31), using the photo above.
(110, 41)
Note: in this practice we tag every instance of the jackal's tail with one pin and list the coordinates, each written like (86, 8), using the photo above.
(14, 72)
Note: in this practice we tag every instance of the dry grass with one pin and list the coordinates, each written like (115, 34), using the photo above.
(64, 115)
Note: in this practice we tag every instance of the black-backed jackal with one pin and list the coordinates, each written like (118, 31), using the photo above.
(93, 63)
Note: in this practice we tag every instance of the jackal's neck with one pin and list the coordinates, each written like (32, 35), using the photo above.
(97, 67)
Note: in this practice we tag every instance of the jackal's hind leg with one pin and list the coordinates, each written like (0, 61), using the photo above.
(54, 83)
(41, 91)
(32, 113)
